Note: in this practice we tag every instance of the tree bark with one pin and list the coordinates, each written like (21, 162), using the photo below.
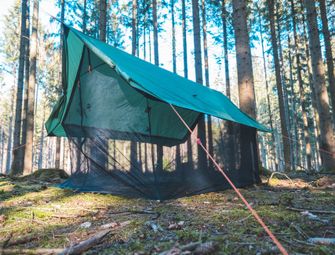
(17, 165)
(26, 81)
(209, 119)
(273, 147)
(283, 119)
(329, 54)
(133, 145)
(28, 156)
(185, 62)
(230, 132)
(159, 163)
(301, 88)
(58, 139)
(85, 17)
(327, 146)
(202, 159)
(174, 67)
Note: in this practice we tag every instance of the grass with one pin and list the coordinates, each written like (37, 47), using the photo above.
(48, 217)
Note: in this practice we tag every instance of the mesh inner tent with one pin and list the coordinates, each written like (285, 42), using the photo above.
(114, 132)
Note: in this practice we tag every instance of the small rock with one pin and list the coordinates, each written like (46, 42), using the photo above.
(86, 224)
(2, 218)
(321, 240)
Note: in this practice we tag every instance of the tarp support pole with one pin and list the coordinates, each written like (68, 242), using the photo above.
(252, 210)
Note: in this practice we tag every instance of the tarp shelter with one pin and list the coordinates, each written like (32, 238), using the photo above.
(111, 95)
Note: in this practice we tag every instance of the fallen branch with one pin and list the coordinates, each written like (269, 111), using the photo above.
(310, 210)
(157, 214)
(86, 244)
(196, 247)
(21, 240)
(279, 173)
(90, 242)
(40, 251)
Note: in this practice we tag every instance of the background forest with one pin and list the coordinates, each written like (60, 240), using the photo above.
(274, 59)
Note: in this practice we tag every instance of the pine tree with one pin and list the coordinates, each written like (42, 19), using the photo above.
(202, 159)
(329, 54)
(327, 145)
(17, 167)
(283, 118)
(28, 156)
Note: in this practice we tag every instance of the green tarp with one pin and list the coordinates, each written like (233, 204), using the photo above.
(109, 89)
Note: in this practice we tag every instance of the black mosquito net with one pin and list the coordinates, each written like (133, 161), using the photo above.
(135, 169)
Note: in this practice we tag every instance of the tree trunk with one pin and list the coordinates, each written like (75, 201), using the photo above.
(315, 118)
(58, 139)
(301, 88)
(243, 57)
(327, 146)
(28, 156)
(283, 124)
(174, 67)
(184, 27)
(230, 132)
(40, 156)
(209, 119)
(202, 159)
(133, 145)
(2, 146)
(26, 81)
(159, 164)
(85, 17)
(17, 165)
(291, 127)
(10, 128)
(329, 54)
(273, 147)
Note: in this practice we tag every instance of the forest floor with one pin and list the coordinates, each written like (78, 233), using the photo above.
(38, 218)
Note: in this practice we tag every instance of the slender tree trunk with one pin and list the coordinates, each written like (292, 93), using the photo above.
(184, 27)
(273, 142)
(174, 67)
(28, 156)
(58, 139)
(26, 81)
(85, 17)
(102, 20)
(230, 132)
(159, 164)
(40, 156)
(2, 145)
(133, 145)
(295, 141)
(301, 88)
(327, 145)
(284, 125)
(209, 119)
(329, 54)
(291, 127)
(17, 165)
(202, 159)
(313, 99)
(10, 128)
